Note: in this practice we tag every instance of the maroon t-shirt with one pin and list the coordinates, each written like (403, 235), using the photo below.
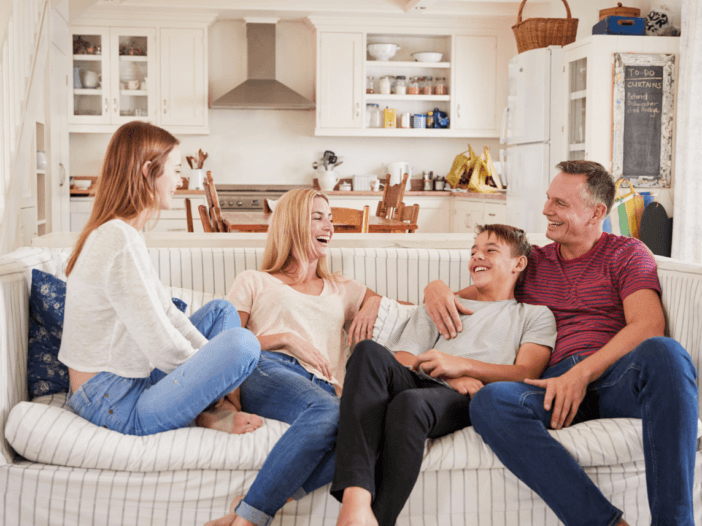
(586, 294)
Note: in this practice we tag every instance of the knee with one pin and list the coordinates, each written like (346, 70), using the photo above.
(325, 417)
(368, 353)
(225, 309)
(491, 404)
(243, 347)
(407, 409)
(668, 360)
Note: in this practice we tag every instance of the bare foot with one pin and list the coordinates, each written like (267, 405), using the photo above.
(356, 508)
(227, 520)
(622, 522)
(225, 417)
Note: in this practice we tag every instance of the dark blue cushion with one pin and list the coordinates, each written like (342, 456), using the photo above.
(46, 375)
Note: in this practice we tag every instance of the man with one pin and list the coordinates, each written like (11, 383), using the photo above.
(610, 360)
(391, 405)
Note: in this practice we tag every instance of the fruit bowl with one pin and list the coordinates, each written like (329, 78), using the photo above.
(428, 56)
(83, 184)
(382, 51)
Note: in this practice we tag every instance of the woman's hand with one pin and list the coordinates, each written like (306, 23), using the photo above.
(362, 325)
(465, 385)
(308, 353)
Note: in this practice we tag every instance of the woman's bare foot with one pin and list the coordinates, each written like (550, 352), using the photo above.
(225, 417)
(228, 520)
(356, 508)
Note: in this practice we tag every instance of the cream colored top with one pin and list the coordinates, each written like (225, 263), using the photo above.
(118, 316)
(275, 308)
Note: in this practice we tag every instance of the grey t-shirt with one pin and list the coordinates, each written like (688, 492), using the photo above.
(492, 334)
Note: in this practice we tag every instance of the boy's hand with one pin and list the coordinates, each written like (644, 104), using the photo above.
(465, 385)
(438, 364)
(443, 308)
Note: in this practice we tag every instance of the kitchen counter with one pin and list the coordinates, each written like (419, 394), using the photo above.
(76, 192)
(500, 196)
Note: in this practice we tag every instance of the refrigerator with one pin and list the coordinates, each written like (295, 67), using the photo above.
(533, 129)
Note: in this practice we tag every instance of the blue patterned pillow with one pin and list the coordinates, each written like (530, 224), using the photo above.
(46, 375)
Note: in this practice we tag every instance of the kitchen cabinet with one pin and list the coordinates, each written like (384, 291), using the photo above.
(157, 73)
(474, 64)
(588, 77)
(434, 213)
(110, 75)
(468, 213)
(172, 220)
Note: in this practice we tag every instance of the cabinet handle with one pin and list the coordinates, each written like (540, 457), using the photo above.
(491, 215)
(115, 103)
(107, 105)
(458, 111)
(164, 106)
(62, 174)
(358, 109)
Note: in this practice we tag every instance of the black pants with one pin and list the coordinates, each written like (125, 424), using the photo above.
(387, 413)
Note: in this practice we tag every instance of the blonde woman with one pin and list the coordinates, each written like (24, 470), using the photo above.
(297, 308)
(138, 365)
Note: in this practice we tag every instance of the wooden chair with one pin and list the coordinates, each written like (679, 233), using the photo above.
(357, 219)
(189, 215)
(392, 198)
(205, 218)
(408, 214)
(215, 211)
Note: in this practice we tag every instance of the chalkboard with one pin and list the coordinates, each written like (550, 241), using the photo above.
(643, 102)
(643, 118)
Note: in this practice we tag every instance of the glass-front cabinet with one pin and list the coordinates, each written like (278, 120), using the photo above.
(577, 108)
(111, 75)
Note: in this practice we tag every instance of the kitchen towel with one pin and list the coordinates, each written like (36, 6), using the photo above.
(625, 217)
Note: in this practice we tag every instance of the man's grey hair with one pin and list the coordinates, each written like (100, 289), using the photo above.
(599, 187)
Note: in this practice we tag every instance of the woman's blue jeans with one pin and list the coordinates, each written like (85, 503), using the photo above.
(303, 458)
(161, 402)
(655, 382)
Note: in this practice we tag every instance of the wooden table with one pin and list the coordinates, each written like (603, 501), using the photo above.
(257, 221)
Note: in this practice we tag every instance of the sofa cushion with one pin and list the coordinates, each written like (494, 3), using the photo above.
(45, 373)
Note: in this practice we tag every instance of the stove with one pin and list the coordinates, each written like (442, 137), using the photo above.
(250, 197)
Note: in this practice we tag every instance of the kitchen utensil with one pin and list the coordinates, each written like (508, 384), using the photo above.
(427, 56)
(327, 180)
(397, 170)
(382, 51)
(337, 164)
(190, 160)
(201, 157)
(197, 177)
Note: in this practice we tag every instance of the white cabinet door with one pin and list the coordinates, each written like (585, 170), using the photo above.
(132, 61)
(340, 80)
(495, 213)
(474, 83)
(58, 219)
(90, 105)
(467, 215)
(183, 100)
(434, 215)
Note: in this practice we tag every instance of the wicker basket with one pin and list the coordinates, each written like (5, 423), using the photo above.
(534, 33)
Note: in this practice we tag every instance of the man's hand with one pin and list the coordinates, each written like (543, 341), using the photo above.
(362, 324)
(438, 364)
(465, 385)
(564, 394)
(443, 308)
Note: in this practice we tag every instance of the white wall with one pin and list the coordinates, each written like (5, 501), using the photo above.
(279, 147)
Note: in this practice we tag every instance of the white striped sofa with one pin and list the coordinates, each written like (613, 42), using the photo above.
(461, 481)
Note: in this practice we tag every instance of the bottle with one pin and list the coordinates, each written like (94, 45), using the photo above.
(400, 85)
(405, 120)
(370, 85)
(430, 119)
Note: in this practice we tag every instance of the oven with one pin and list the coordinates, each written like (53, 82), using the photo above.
(234, 197)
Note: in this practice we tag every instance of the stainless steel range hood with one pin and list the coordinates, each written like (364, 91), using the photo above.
(261, 91)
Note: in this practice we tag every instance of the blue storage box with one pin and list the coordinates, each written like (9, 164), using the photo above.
(620, 25)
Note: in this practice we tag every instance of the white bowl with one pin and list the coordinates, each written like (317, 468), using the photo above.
(382, 51)
(82, 184)
(428, 56)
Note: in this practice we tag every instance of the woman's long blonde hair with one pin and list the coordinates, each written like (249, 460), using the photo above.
(122, 190)
(289, 236)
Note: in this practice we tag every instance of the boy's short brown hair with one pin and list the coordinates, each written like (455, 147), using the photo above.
(513, 236)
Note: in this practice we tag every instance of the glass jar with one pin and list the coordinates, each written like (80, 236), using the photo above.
(405, 120)
(430, 119)
(413, 88)
(370, 85)
(373, 119)
(427, 86)
(400, 85)
(384, 86)
(440, 86)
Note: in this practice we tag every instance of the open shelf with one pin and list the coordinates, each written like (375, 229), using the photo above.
(407, 64)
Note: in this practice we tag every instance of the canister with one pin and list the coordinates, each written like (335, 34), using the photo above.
(419, 120)
(405, 120)
(390, 118)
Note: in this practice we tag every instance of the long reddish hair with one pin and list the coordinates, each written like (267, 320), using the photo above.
(122, 190)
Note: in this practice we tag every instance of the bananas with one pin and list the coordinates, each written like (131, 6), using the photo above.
(471, 172)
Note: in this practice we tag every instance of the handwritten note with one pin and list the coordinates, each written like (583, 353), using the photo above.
(643, 88)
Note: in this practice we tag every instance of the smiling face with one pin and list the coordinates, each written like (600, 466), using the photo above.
(572, 221)
(169, 180)
(321, 228)
(493, 268)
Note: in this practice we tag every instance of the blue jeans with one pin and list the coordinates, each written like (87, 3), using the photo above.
(303, 459)
(161, 402)
(654, 382)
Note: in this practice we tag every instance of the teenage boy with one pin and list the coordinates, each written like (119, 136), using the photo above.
(391, 405)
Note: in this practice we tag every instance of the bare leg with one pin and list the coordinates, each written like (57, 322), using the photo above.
(225, 417)
(228, 520)
(356, 508)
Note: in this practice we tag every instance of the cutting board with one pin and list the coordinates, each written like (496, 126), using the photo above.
(657, 229)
